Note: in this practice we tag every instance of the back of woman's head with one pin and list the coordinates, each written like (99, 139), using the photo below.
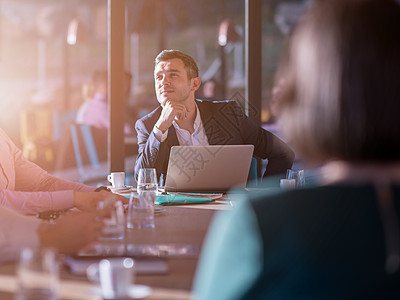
(341, 98)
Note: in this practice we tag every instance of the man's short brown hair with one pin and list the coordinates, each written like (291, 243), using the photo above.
(190, 64)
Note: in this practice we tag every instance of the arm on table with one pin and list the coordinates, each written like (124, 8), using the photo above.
(280, 156)
(71, 232)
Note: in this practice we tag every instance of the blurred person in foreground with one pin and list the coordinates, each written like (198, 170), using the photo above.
(341, 239)
(183, 120)
(69, 234)
(28, 189)
(94, 111)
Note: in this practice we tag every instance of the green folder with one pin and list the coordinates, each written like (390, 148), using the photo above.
(179, 200)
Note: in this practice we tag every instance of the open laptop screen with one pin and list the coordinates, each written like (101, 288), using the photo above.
(215, 168)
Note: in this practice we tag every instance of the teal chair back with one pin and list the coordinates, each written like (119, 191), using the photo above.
(253, 178)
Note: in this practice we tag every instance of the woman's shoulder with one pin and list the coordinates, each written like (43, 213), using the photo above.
(276, 200)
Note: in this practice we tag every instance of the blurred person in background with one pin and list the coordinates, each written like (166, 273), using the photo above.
(276, 95)
(88, 92)
(340, 106)
(28, 189)
(94, 110)
(211, 90)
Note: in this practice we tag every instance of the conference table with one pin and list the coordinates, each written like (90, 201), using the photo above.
(184, 225)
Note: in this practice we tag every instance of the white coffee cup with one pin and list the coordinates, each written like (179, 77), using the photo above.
(288, 183)
(116, 275)
(117, 179)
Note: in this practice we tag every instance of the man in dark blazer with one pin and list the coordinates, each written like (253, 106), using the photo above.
(183, 120)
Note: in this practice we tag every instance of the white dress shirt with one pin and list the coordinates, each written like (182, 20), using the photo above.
(185, 138)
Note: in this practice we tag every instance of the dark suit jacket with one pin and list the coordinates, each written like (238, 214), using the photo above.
(224, 124)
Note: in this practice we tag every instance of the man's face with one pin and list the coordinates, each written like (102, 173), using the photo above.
(172, 82)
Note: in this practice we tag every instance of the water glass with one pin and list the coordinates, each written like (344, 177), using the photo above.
(115, 225)
(141, 210)
(37, 275)
(116, 276)
(298, 175)
(147, 180)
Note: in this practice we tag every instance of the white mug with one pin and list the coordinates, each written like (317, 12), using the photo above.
(116, 275)
(288, 183)
(117, 179)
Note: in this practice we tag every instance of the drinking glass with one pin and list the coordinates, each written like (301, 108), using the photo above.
(115, 224)
(37, 275)
(116, 276)
(298, 175)
(147, 180)
(141, 210)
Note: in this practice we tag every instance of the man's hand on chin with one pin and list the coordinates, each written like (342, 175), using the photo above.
(171, 111)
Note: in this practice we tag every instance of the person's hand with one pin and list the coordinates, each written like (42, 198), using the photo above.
(171, 111)
(102, 188)
(71, 232)
(87, 201)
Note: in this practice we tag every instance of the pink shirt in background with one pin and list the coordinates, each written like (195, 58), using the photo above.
(95, 113)
(27, 188)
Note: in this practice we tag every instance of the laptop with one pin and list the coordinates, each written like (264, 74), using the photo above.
(215, 168)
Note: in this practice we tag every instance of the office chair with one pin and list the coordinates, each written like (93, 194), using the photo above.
(90, 149)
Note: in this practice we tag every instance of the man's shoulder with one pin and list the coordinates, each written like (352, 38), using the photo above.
(151, 117)
(215, 102)
(216, 105)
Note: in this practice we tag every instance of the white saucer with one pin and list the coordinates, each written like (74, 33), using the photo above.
(125, 188)
(136, 291)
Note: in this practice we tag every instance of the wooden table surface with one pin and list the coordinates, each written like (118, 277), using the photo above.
(186, 224)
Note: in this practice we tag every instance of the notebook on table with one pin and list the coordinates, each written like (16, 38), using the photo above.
(215, 168)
